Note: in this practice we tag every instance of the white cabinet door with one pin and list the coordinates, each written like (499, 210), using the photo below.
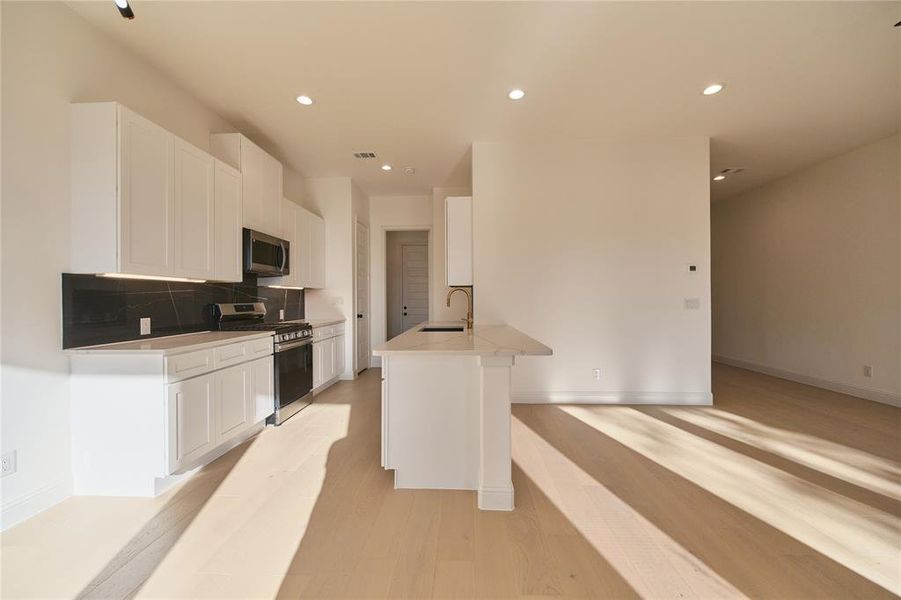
(252, 159)
(193, 222)
(191, 420)
(302, 219)
(339, 355)
(317, 364)
(227, 229)
(271, 205)
(458, 237)
(328, 359)
(317, 251)
(145, 196)
(262, 396)
(233, 389)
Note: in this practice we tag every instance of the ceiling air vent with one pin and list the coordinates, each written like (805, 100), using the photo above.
(364, 154)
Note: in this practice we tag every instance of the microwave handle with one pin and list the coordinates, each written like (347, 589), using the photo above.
(284, 256)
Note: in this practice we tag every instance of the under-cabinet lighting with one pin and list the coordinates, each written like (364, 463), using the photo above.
(285, 287)
(149, 277)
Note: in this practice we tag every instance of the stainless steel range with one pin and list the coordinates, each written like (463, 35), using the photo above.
(293, 354)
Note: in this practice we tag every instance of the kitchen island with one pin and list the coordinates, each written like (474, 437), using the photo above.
(446, 408)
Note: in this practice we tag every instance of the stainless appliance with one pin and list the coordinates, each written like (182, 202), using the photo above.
(265, 254)
(293, 354)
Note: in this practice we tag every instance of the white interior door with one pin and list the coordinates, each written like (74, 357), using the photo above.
(361, 301)
(414, 284)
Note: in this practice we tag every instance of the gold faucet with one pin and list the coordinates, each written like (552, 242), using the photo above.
(468, 293)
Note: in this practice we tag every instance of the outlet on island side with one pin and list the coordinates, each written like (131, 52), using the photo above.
(145, 325)
(8, 463)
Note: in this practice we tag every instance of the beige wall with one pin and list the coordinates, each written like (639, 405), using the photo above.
(584, 245)
(807, 272)
(50, 58)
(394, 264)
(391, 213)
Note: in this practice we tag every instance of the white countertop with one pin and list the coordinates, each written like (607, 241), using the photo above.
(324, 322)
(172, 344)
(482, 340)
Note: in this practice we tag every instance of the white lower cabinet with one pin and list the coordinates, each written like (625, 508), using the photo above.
(328, 355)
(139, 421)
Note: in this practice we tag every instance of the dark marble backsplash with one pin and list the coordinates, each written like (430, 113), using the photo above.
(101, 310)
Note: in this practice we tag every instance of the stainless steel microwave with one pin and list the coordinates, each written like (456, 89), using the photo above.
(265, 254)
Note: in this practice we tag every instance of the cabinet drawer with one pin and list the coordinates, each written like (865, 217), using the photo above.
(233, 354)
(259, 348)
(187, 365)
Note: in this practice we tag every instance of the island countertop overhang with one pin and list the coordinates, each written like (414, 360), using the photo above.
(481, 340)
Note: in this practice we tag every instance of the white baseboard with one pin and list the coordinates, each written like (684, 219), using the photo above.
(567, 397)
(25, 507)
(493, 498)
(833, 386)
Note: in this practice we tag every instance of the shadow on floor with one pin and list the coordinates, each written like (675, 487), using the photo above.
(756, 558)
(129, 569)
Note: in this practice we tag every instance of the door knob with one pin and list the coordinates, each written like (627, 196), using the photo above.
(359, 315)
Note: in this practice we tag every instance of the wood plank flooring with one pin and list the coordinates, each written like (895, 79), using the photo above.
(779, 491)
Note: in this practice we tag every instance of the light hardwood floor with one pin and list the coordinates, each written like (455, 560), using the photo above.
(779, 491)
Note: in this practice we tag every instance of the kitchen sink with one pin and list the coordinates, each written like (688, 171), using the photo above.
(442, 328)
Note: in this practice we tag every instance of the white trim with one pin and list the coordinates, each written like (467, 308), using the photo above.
(625, 397)
(495, 498)
(833, 386)
(22, 508)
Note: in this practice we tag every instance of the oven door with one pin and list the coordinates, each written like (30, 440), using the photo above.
(266, 254)
(293, 379)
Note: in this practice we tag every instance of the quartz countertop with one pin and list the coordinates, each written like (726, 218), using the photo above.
(173, 344)
(482, 340)
(324, 322)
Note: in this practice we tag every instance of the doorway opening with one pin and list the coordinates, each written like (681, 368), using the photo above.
(407, 280)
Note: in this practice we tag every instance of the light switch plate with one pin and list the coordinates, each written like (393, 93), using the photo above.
(692, 303)
(145, 325)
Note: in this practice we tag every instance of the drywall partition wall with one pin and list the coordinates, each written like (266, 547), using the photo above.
(339, 202)
(584, 247)
(391, 213)
(50, 58)
(807, 271)
(440, 311)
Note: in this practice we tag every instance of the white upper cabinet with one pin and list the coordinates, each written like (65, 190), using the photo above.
(458, 236)
(306, 233)
(227, 227)
(145, 202)
(317, 251)
(193, 223)
(262, 180)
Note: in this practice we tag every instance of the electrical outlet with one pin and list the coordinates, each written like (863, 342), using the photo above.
(596, 373)
(692, 303)
(692, 268)
(145, 325)
(867, 371)
(8, 463)
(281, 314)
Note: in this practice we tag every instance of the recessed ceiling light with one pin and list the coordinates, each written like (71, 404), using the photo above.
(124, 9)
(516, 94)
(714, 88)
(305, 100)
(386, 167)
(719, 177)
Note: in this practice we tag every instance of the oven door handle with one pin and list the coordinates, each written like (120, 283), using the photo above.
(292, 345)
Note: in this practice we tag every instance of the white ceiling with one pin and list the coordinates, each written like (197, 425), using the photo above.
(418, 82)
